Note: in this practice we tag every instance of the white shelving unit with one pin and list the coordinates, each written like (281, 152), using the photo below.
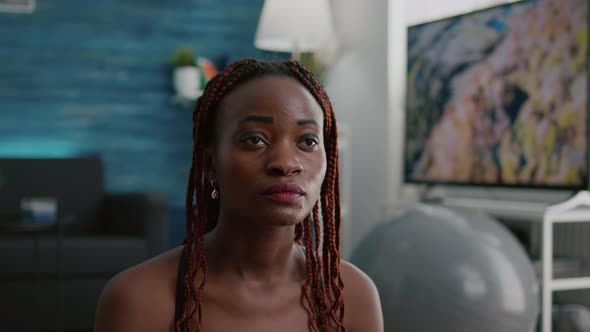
(574, 210)
(544, 216)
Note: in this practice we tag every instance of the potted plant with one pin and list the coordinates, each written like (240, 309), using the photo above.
(186, 75)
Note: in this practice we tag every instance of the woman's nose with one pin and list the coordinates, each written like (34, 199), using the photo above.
(283, 161)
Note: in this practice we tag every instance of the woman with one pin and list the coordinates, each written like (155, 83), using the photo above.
(263, 183)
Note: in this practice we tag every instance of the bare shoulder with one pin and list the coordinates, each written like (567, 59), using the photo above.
(361, 300)
(140, 298)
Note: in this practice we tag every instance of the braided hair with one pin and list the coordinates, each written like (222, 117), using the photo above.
(322, 291)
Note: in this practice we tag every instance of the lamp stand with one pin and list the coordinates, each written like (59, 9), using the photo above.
(296, 56)
(296, 52)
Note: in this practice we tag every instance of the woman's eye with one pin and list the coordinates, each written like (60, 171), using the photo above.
(253, 140)
(310, 142)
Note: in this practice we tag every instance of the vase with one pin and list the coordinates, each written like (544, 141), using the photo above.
(187, 82)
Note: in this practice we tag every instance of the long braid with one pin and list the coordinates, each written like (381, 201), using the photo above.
(190, 217)
(310, 259)
(322, 290)
(317, 249)
(318, 285)
(194, 226)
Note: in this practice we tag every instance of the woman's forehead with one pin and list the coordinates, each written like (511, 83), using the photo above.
(270, 96)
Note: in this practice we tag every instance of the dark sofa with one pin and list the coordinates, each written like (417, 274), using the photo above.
(105, 234)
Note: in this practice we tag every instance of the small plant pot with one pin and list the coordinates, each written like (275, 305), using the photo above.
(187, 82)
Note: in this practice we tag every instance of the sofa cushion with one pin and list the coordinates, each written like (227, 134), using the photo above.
(76, 183)
(82, 256)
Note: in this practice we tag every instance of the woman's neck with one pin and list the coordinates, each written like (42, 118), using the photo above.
(265, 254)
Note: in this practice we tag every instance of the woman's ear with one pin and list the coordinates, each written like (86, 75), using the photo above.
(210, 163)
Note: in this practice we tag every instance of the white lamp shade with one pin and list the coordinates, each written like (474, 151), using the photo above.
(294, 25)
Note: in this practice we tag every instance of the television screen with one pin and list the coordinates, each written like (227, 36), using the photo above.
(499, 97)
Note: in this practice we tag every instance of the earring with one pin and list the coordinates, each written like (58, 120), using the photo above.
(214, 193)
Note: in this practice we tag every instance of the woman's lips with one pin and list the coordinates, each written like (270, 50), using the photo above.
(285, 193)
(285, 197)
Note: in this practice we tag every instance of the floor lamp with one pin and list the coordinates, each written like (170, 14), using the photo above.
(294, 26)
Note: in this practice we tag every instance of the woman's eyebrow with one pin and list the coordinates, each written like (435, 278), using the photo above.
(307, 121)
(257, 118)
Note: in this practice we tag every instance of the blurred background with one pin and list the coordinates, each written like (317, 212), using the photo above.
(81, 79)
(95, 113)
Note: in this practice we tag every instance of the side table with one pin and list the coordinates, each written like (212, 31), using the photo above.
(16, 227)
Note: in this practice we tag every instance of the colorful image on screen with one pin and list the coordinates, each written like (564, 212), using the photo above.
(499, 97)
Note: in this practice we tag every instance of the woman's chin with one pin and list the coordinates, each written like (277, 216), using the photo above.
(284, 217)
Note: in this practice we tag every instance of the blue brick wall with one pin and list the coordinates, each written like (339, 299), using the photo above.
(93, 77)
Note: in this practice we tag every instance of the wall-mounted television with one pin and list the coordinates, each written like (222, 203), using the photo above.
(499, 97)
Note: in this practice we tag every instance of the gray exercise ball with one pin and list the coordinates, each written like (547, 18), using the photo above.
(439, 269)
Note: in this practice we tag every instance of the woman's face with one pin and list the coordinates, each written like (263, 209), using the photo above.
(268, 157)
